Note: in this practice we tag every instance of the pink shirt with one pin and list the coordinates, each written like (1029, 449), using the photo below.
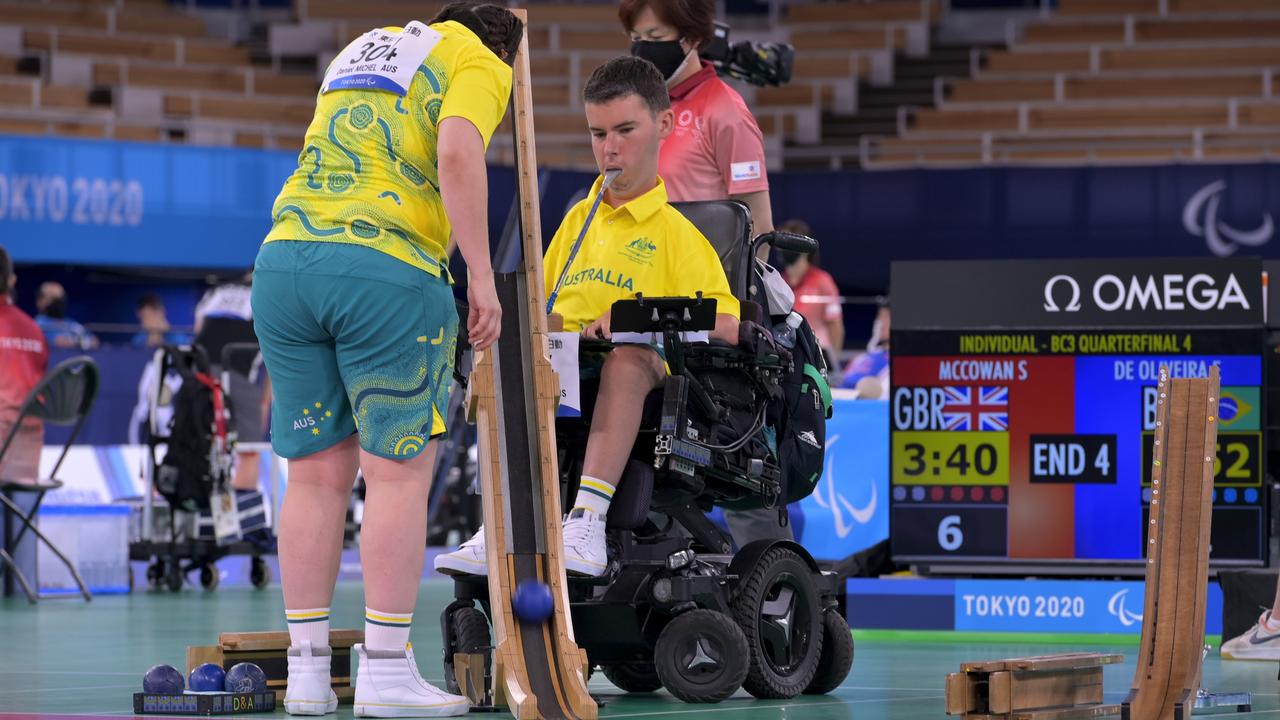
(24, 356)
(716, 149)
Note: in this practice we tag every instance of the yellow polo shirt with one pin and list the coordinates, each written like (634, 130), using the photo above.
(645, 246)
(367, 173)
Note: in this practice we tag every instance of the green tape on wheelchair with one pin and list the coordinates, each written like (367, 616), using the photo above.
(824, 390)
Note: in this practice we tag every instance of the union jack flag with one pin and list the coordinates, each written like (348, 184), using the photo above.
(976, 408)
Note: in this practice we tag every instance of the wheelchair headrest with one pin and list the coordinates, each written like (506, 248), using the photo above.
(727, 226)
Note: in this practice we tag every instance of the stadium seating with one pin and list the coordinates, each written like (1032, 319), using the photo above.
(1103, 80)
(140, 70)
(1092, 81)
(149, 70)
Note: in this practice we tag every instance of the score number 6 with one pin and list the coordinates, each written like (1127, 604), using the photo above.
(950, 537)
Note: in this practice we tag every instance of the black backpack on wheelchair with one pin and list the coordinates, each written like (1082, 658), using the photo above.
(193, 465)
(800, 417)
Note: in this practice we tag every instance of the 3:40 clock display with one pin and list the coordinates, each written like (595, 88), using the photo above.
(950, 458)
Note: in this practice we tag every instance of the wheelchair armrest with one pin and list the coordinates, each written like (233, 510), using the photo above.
(759, 340)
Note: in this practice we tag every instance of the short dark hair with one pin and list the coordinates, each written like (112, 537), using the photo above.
(797, 226)
(6, 271)
(150, 300)
(497, 27)
(693, 19)
(627, 75)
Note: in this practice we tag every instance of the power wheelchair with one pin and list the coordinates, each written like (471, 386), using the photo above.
(677, 607)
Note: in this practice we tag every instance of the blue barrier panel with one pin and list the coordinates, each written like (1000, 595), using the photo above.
(133, 204)
(122, 204)
(849, 509)
(93, 202)
(119, 371)
(1024, 606)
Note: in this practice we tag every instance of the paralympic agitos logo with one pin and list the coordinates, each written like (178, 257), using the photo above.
(1159, 292)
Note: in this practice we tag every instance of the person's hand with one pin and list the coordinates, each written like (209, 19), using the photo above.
(598, 330)
(484, 314)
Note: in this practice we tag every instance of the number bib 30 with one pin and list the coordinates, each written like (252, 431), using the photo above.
(381, 59)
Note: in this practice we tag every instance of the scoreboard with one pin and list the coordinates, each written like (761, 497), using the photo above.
(1023, 405)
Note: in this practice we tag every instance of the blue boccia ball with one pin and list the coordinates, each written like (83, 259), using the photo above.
(206, 678)
(245, 677)
(162, 679)
(532, 602)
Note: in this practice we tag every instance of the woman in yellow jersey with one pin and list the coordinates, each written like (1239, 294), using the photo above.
(353, 308)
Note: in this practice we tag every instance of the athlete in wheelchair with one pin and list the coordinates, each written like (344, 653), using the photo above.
(658, 597)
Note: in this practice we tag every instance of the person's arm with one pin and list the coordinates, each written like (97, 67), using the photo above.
(761, 216)
(834, 315)
(835, 328)
(726, 329)
(464, 190)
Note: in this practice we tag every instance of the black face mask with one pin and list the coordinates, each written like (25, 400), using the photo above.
(667, 55)
(56, 309)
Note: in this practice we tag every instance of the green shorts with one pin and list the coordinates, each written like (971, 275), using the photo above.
(353, 340)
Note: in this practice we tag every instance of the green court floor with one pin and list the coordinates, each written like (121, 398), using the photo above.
(68, 657)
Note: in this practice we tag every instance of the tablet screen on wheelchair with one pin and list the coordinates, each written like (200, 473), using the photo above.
(650, 315)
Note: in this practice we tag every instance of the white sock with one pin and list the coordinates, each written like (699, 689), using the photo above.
(594, 494)
(309, 626)
(1271, 623)
(386, 631)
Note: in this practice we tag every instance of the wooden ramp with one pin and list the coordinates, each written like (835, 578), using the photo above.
(538, 670)
(1185, 446)
(1032, 688)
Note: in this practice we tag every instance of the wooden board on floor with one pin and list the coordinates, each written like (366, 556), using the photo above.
(269, 651)
(1047, 686)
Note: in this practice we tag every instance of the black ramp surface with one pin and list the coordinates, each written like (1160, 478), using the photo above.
(517, 413)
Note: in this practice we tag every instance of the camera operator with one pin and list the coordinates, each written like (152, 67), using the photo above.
(716, 150)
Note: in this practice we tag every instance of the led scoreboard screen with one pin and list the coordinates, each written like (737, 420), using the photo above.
(1023, 405)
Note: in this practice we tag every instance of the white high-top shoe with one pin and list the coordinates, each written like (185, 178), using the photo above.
(388, 685)
(310, 690)
(468, 559)
(585, 550)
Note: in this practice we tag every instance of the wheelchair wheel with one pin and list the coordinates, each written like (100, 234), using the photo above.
(777, 609)
(209, 577)
(636, 677)
(155, 575)
(259, 573)
(837, 655)
(470, 630)
(175, 576)
(701, 656)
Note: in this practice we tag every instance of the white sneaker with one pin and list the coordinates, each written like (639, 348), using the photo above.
(468, 559)
(388, 684)
(585, 551)
(1257, 643)
(310, 687)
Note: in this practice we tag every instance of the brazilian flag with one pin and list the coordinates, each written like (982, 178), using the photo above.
(1239, 408)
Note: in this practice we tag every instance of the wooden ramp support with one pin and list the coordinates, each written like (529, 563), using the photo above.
(1167, 677)
(268, 650)
(1060, 687)
(538, 671)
